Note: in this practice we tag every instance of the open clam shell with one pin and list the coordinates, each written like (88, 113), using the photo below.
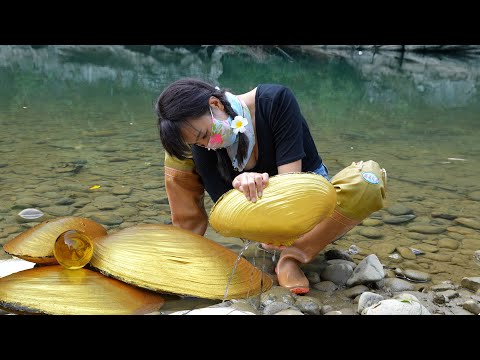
(36, 244)
(291, 205)
(54, 290)
(166, 258)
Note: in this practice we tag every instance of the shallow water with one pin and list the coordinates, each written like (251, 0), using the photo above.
(77, 124)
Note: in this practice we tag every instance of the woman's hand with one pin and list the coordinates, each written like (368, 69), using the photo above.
(251, 184)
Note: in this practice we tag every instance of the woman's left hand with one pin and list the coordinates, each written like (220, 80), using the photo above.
(251, 184)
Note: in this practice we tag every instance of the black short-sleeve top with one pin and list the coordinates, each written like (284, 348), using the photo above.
(283, 137)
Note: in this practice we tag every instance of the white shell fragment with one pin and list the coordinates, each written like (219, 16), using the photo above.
(30, 214)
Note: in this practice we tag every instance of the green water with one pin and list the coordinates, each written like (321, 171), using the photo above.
(75, 117)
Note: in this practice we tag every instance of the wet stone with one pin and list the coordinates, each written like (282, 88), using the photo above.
(425, 247)
(59, 210)
(341, 261)
(448, 243)
(308, 305)
(376, 215)
(438, 257)
(462, 230)
(370, 233)
(443, 216)
(274, 307)
(65, 201)
(325, 286)
(107, 202)
(471, 283)
(456, 236)
(471, 223)
(121, 190)
(382, 249)
(337, 254)
(470, 243)
(427, 229)
(417, 275)
(399, 209)
(472, 306)
(417, 236)
(390, 219)
(277, 293)
(406, 253)
(395, 284)
(474, 195)
(313, 277)
(445, 285)
(372, 222)
(441, 222)
(337, 273)
(107, 218)
(355, 291)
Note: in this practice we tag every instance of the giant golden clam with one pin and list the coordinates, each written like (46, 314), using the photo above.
(168, 259)
(291, 205)
(55, 290)
(37, 243)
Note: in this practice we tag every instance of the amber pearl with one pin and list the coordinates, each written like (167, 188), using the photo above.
(73, 249)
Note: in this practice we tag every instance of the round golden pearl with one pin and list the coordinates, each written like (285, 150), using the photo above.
(73, 249)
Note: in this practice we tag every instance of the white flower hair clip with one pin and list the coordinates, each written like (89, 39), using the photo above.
(238, 124)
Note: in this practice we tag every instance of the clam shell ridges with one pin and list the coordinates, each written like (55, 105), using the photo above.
(165, 258)
(291, 205)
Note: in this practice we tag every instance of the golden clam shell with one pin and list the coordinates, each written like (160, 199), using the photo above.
(166, 258)
(291, 205)
(36, 244)
(54, 290)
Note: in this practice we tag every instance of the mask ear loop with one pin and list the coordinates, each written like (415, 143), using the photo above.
(213, 119)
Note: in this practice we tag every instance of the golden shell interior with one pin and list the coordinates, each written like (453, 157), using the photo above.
(55, 290)
(36, 244)
(166, 258)
(291, 205)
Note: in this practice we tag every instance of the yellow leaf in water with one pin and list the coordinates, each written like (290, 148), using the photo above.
(94, 187)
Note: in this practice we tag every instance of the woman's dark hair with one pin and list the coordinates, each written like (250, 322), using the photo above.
(187, 99)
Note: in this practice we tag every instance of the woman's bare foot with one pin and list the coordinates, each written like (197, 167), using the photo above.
(273, 247)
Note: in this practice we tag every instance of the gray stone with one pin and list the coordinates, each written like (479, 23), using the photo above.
(367, 299)
(471, 283)
(427, 229)
(368, 270)
(326, 286)
(471, 223)
(400, 219)
(474, 195)
(472, 306)
(370, 232)
(399, 209)
(337, 273)
(395, 284)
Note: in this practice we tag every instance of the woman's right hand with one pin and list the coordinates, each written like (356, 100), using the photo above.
(251, 184)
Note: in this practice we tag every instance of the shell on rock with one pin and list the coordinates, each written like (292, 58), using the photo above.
(36, 244)
(291, 205)
(54, 290)
(166, 258)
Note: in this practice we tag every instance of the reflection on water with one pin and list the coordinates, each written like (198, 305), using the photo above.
(78, 137)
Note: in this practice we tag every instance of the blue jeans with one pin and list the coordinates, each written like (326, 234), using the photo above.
(322, 170)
